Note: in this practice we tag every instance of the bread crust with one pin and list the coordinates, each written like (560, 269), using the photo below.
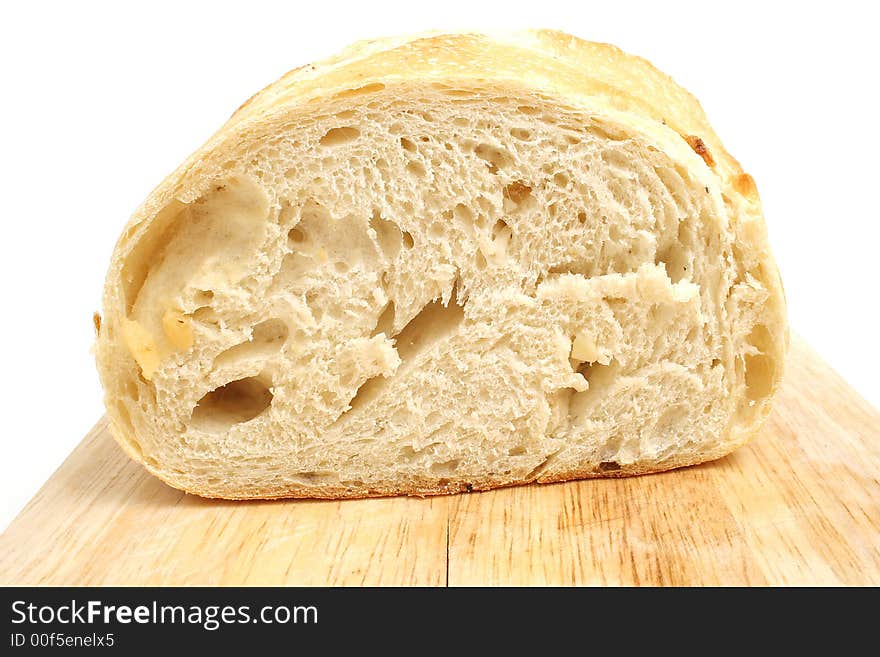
(430, 489)
(565, 68)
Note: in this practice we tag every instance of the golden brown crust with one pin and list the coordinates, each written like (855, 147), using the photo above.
(745, 185)
(700, 149)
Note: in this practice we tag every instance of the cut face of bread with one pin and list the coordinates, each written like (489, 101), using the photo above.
(441, 264)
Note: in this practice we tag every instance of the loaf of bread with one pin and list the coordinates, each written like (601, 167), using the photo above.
(443, 263)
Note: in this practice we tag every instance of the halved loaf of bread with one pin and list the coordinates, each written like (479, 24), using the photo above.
(444, 263)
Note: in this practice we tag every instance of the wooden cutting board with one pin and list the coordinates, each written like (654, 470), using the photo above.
(800, 505)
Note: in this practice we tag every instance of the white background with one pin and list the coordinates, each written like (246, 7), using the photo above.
(99, 102)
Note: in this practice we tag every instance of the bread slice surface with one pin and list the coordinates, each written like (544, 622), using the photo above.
(442, 263)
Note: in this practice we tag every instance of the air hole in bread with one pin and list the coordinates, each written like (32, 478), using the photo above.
(236, 402)
(586, 368)
(500, 229)
(407, 145)
(314, 478)
(339, 136)
(481, 220)
(605, 131)
(760, 338)
(434, 418)
(312, 216)
(203, 297)
(295, 265)
(501, 235)
(317, 309)
(312, 230)
(621, 193)
(417, 169)
(675, 260)
(561, 179)
(267, 339)
(760, 368)
(519, 450)
(600, 377)
(361, 91)
(445, 467)
(408, 241)
(150, 250)
(368, 391)
(328, 398)
(296, 236)
(685, 233)
(132, 390)
(432, 324)
(385, 323)
(452, 91)
(496, 158)
(388, 235)
(480, 260)
(463, 214)
(521, 133)
(516, 195)
(206, 315)
(671, 418)
(224, 225)
(540, 467)
(609, 466)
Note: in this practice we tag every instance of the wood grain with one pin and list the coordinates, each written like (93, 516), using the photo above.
(800, 505)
